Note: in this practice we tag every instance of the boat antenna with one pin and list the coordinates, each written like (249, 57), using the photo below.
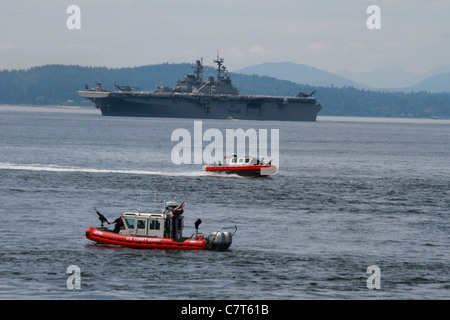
(140, 201)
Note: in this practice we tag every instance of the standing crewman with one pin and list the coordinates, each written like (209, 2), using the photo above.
(119, 224)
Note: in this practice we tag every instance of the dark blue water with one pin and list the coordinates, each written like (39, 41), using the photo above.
(350, 193)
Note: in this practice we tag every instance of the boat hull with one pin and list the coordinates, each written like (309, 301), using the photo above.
(142, 242)
(199, 106)
(250, 170)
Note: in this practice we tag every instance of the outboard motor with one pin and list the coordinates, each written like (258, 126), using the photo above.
(220, 240)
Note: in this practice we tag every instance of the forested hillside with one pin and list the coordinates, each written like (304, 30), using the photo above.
(58, 85)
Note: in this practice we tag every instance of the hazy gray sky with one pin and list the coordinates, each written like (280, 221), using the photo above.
(326, 34)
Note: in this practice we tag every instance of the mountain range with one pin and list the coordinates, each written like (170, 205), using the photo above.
(393, 79)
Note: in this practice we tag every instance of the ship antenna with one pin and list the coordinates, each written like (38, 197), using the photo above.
(220, 67)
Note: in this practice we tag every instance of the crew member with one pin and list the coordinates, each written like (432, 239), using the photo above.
(119, 224)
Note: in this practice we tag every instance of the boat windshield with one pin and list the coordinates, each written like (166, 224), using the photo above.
(130, 223)
(241, 160)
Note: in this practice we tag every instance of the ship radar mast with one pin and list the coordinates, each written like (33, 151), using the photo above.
(220, 66)
(199, 69)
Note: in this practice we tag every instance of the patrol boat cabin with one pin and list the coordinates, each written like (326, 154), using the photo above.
(167, 224)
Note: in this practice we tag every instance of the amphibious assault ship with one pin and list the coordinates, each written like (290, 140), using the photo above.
(194, 98)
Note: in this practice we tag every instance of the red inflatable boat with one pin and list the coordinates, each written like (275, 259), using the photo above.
(161, 230)
(108, 237)
(243, 166)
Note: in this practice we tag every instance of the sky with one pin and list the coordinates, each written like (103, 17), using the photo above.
(326, 34)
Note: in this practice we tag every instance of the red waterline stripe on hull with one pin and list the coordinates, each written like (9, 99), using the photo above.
(142, 242)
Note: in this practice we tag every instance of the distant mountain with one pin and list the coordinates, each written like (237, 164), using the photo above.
(383, 78)
(389, 79)
(438, 83)
(393, 78)
(301, 74)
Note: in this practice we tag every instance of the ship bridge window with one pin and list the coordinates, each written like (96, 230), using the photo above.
(141, 224)
(154, 224)
(247, 160)
(241, 160)
(233, 160)
(130, 223)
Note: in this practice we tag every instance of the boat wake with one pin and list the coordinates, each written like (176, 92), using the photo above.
(58, 168)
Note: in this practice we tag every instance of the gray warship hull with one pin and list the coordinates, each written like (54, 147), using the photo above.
(203, 106)
(194, 98)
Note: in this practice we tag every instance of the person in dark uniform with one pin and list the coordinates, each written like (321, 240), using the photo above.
(119, 224)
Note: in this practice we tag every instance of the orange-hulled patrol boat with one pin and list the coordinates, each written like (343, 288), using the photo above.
(248, 166)
(162, 230)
